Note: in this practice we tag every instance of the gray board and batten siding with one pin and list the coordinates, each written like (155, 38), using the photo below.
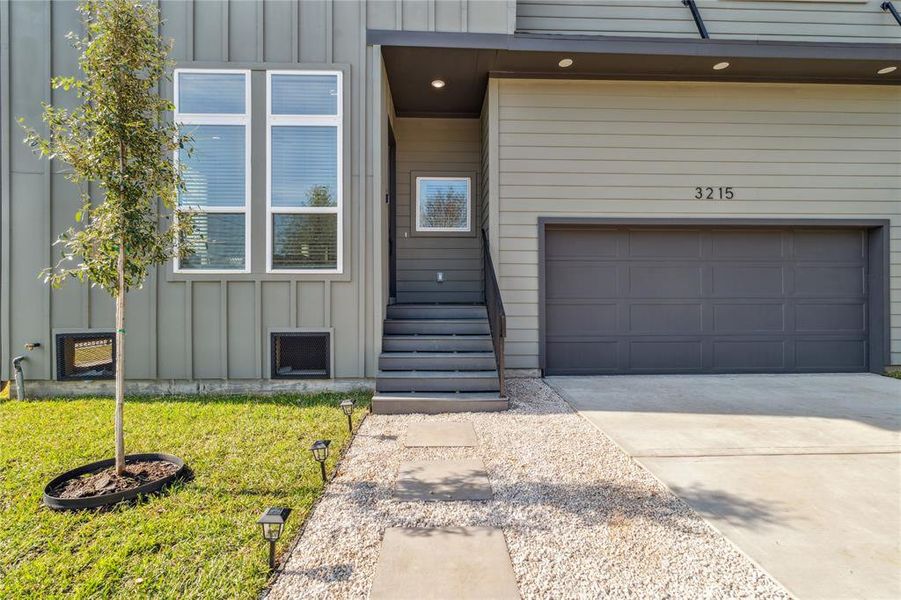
(824, 21)
(192, 327)
(638, 150)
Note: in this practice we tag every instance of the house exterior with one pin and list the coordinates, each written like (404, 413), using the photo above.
(419, 193)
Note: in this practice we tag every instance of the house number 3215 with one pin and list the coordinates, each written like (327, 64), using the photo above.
(714, 193)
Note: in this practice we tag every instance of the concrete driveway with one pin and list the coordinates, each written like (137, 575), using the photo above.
(802, 472)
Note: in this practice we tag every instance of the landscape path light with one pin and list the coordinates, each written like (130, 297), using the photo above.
(273, 522)
(347, 406)
(320, 453)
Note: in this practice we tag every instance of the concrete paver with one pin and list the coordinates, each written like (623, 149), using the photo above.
(440, 563)
(443, 480)
(440, 434)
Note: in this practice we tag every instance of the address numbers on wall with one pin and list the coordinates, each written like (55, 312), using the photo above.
(714, 193)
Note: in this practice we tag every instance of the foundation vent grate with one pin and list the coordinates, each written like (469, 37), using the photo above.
(300, 355)
(85, 356)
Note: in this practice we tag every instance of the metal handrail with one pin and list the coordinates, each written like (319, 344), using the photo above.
(497, 316)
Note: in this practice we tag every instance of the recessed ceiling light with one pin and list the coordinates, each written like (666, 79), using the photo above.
(437, 83)
(886, 70)
(565, 62)
(720, 66)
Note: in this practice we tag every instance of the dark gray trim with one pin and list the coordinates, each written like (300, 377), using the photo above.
(258, 173)
(636, 45)
(878, 285)
(718, 78)
(412, 114)
(392, 212)
(878, 253)
(465, 61)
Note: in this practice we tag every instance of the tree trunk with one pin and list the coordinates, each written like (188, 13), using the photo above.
(120, 361)
(120, 337)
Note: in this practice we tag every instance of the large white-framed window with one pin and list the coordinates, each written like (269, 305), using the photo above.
(443, 204)
(213, 107)
(304, 172)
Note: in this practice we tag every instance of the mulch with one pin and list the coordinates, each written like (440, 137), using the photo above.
(107, 481)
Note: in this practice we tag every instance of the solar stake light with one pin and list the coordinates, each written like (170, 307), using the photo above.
(320, 453)
(273, 521)
(347, 405)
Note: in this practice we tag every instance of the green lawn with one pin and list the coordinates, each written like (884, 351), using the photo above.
(895, 374)
(200, 539)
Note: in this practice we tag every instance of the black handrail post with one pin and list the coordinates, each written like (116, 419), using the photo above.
(696, 15)
(889, 7)
(497, 316)
(501, 378)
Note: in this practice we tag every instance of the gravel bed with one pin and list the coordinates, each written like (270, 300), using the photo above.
(581, 518)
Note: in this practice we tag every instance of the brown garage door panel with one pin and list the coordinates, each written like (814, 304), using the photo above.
(704, 300)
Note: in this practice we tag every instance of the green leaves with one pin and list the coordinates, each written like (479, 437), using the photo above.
(119, 139)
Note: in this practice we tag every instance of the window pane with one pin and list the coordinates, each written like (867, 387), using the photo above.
(214, 174)
(219, 93)
(443, 204)
(305, 241)
(304, 166)
(217, 242)
(305, 94)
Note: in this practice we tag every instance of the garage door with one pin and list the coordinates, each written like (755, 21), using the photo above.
(704, 300)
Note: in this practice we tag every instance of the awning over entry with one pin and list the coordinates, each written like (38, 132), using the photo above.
(464, 61)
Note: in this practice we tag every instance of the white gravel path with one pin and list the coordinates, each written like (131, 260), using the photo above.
(581, 518)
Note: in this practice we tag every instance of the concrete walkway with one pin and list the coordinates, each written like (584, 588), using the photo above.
(801, 472)
(423, 563)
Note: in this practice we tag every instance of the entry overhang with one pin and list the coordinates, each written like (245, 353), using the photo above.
(465, 61)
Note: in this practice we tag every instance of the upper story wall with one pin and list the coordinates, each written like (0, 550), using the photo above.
(474, 16)
(798, 20)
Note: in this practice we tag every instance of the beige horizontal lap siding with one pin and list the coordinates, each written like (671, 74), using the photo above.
(741, 19)
(638, 149)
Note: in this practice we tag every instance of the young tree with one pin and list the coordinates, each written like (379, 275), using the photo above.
(118, 138)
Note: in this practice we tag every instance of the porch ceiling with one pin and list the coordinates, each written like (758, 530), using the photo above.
(465, 61)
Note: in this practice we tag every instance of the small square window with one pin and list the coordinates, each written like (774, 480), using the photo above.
(444, 204)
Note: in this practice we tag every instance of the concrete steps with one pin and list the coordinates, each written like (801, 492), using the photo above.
(437, 358)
